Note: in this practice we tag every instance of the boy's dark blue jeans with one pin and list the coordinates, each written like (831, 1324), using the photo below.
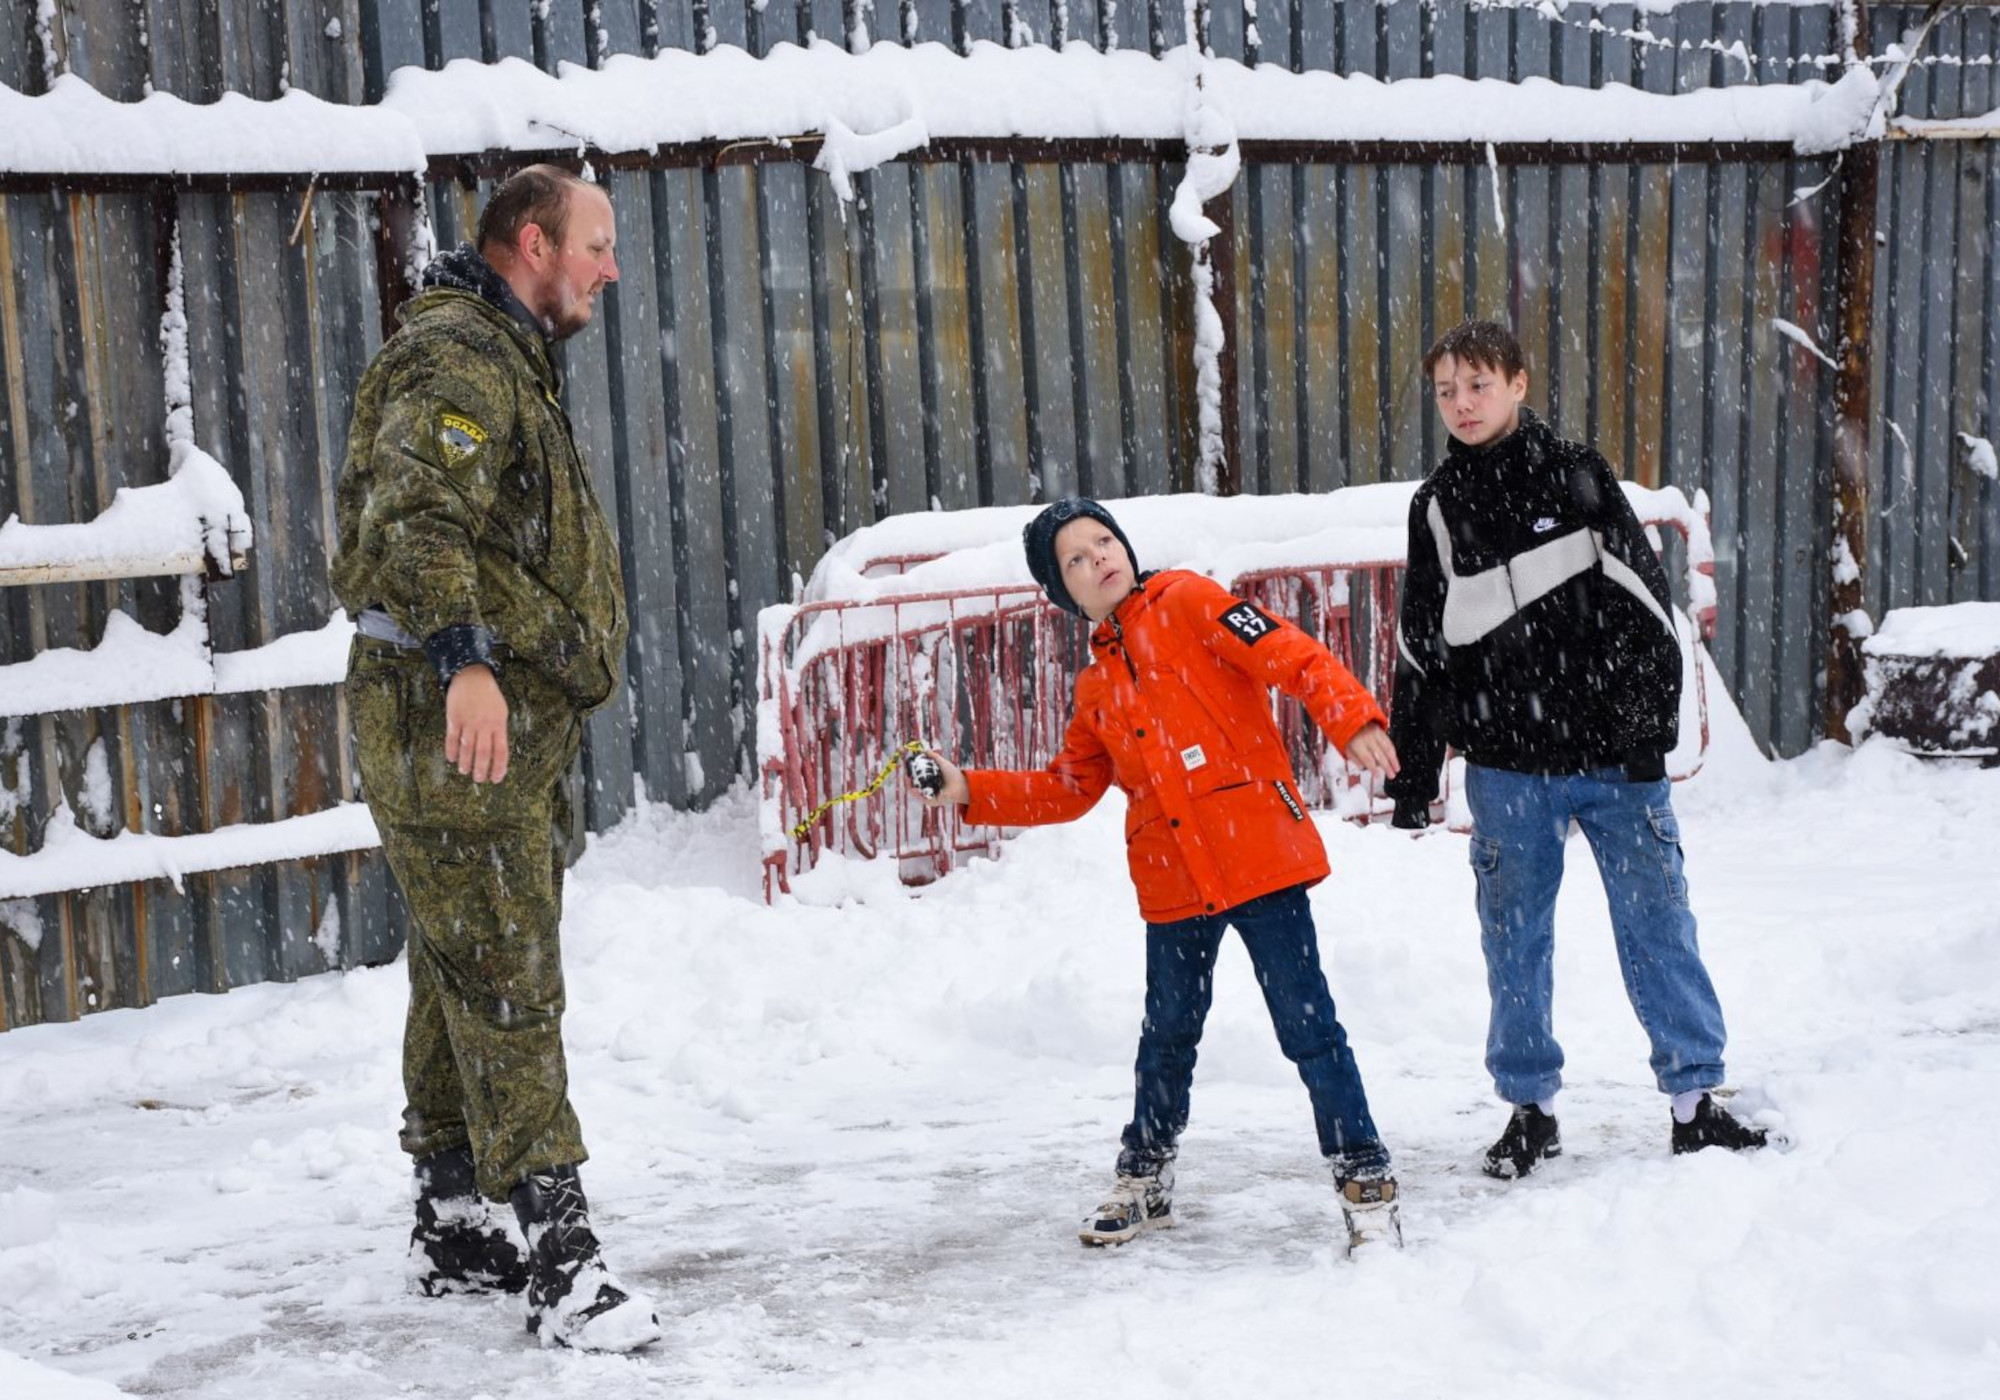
(1277, 931)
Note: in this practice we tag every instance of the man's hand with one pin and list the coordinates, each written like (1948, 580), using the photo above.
(1371, 749)
(955, 789)
(475, 725)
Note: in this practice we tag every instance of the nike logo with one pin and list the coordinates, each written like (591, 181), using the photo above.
(1544, 525)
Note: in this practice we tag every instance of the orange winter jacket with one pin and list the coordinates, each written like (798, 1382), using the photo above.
(1174, 708)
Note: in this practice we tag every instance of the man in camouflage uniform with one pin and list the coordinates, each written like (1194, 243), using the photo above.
(485, 583)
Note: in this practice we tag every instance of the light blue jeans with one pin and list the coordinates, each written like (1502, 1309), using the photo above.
(1519, 824)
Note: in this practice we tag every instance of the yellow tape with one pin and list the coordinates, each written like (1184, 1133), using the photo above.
(799, 831)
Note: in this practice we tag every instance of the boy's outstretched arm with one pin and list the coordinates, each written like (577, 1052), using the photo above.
(1421, 692)
(1062, 792)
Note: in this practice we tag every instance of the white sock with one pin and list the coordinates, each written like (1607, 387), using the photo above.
(1686, 1104)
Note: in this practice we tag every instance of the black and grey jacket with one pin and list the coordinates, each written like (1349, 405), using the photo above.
(1537, 630)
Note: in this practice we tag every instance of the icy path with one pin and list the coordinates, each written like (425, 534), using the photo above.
(847, 1140)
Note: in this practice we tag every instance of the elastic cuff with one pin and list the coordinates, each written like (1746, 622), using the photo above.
(1412, 813)
(1646, 768)
(1365, 1161)
(1146, 1160)
(1686, 1103)
(452, 649)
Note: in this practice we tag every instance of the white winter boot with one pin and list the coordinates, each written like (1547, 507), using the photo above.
(1369, 1210)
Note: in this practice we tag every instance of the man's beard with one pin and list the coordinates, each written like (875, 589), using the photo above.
(570, 314)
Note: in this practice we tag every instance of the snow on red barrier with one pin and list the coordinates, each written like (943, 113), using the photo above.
(985, 674)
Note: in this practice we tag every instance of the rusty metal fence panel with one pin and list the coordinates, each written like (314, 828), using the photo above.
(776, 370)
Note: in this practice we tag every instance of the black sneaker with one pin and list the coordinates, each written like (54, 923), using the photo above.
(1714, 1126)
(1532, 1138)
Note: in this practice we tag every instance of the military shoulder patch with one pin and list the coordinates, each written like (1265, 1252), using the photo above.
(1249, 622)
(459, 436)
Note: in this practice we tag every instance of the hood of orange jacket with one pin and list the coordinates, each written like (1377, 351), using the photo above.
(1174, 709)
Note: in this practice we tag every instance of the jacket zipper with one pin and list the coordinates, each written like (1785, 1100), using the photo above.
(1118, 630)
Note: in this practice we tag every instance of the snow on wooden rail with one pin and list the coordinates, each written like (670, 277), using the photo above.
(72, 859)
(75, 129)
(195, 525)
(194, 522)
(131, 666)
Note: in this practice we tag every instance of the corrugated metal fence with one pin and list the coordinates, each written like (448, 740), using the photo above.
(776, 369)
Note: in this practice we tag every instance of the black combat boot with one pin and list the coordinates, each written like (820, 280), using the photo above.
(1714, 1126)
(573, 1299)
(1531, 1138)
(457, 1246)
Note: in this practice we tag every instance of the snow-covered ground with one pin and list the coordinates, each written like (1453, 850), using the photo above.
(847, 1140)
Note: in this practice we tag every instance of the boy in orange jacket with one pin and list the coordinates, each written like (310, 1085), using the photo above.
(1173, 708)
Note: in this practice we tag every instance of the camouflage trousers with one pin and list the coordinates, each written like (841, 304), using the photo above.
(481, 867)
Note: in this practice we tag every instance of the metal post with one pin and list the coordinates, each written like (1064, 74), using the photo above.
(398, 215)
(1854, 304)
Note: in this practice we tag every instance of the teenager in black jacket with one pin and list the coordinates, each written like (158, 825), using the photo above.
(1537, 639)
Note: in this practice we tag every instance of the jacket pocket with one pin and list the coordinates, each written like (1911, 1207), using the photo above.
(1666, 831)
(1253, 840)
(1484, 853)
(1207, 753)
(1159, 873)
(378, 707)
(1248, 730)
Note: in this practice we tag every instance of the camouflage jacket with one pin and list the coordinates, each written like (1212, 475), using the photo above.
(465, 511)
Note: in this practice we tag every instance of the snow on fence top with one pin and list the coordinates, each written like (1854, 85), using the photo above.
(191, 523)
(929, 89)
(904, 97)
(75, 129)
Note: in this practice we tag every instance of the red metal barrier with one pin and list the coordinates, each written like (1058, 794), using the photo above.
(985, 674)
(1350, 609)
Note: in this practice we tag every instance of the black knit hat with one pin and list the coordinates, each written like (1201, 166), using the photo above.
(1038, 540)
